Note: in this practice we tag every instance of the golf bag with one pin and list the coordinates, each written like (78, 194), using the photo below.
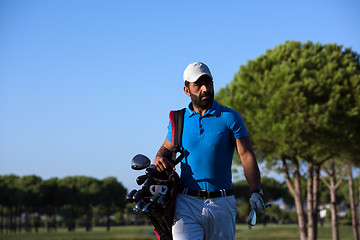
(157, 196)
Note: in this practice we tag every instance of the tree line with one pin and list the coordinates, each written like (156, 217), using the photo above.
(301, 105)
(29, 202)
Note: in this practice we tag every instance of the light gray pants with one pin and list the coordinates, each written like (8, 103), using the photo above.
(213, 218)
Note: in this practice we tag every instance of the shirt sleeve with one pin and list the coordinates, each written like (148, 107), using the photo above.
(237, 125)
(169, 134)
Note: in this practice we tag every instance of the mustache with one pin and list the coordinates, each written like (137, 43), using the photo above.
(206, 94)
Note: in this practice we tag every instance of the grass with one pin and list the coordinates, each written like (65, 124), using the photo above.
(145, 233)
(288, 232)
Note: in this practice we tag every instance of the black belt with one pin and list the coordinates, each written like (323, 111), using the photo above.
(207, 194)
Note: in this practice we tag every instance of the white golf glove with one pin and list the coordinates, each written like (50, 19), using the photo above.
(257, 202)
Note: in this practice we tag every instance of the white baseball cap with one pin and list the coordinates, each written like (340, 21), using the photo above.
(195, 70)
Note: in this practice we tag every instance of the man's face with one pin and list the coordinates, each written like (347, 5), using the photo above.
(201, 92)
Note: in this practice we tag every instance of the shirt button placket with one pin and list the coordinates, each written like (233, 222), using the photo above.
(201, 126)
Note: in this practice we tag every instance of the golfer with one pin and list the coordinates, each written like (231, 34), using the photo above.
(206, 206)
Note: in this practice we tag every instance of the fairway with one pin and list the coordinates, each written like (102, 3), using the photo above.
(146, 233)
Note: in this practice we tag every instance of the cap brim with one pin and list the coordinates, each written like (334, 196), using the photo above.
(195, 78)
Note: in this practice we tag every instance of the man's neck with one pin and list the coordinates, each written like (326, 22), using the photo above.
(200, 110)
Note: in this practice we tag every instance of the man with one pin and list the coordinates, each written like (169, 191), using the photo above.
(206, 207)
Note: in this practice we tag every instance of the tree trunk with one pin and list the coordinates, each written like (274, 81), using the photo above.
(19, 221)
(108, 219)
(12, 224)
(333, 205)
(296, 192)
(310, 202)
(316, 198)
(332, 186)
(312, 199)
(55, 222)
(36, 222)
(27, 221)
(1, 219)
(354, 219)
(15, 219)
(71, 220)
(334, 219)
(88, 218)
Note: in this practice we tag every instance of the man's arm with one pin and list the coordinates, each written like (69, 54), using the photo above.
(248, 160)
(161, 162)
(252, 173)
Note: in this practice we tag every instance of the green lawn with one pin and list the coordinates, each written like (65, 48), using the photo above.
(287, 232)
(146, 233)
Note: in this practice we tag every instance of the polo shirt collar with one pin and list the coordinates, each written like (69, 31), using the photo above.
(212, 111)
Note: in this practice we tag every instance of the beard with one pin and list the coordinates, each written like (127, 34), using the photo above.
(200, 102)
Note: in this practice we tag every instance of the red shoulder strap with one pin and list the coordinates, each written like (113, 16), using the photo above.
(172, 122)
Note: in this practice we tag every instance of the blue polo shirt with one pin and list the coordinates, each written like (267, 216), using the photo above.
(208, 143)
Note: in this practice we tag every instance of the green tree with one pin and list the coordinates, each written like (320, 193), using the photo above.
(11, 201)
(89, 195)
(51, 201)
(299, 102)
(113, 196)
(30, 187)
(70, 198)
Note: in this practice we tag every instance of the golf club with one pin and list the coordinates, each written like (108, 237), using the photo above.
(252, 215)
(141, 179)
(150, 169)
(147, 209)
(140, 162)
(130, 195)
(147, 184)
(139, 206)
(138, 195)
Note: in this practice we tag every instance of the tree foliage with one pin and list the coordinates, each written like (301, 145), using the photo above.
(298, 99)
(73, 198)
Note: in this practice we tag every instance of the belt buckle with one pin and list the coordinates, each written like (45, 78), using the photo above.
(203, 194)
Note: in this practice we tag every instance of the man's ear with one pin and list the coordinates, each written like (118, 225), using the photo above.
(187, 91)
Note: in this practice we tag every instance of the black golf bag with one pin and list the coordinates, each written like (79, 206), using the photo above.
(161, 215)
(157, 196)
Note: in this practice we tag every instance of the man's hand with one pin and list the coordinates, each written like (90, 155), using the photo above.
(257, 202)
(162, 163)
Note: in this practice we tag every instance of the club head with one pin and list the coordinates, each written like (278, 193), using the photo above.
(150, 169)
(141, 179)
(139, 206)
(252, 218)
(147, 209)
(130, 195)
(140, 162)
(137, 196)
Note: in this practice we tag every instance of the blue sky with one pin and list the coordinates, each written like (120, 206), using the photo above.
(86, 85)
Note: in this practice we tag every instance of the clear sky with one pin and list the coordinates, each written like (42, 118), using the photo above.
(87, 84)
